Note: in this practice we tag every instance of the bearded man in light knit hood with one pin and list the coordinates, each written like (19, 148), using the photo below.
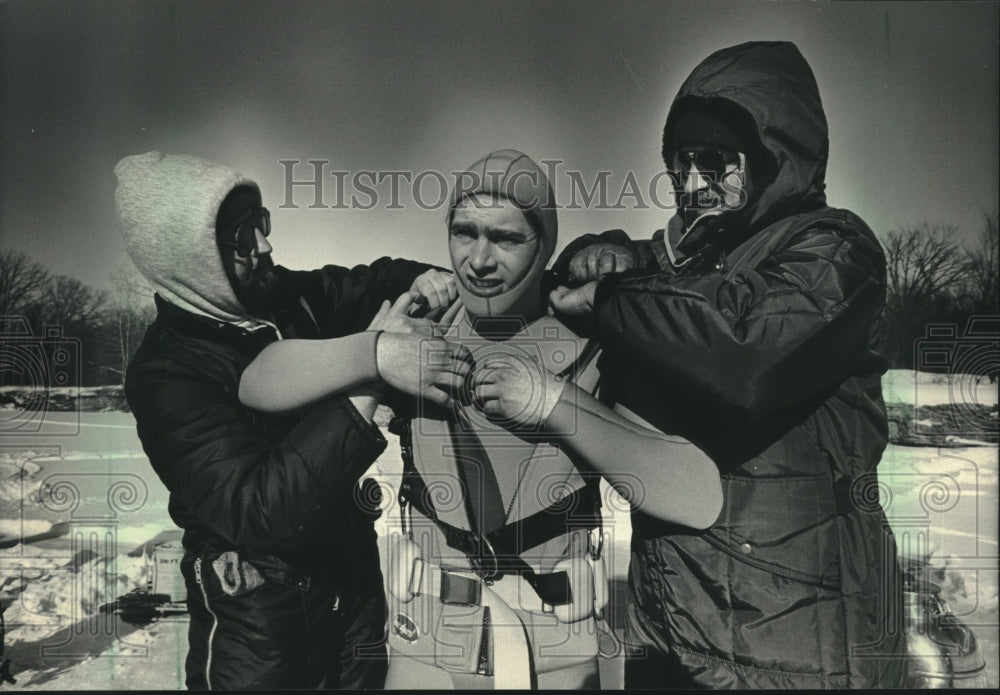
(751, 326)
(281, 565)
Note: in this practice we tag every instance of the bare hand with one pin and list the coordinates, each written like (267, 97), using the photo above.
(450, 316)
(597, 260)
(438, 289)
(393, 319)
(578, 301)
(514, 392)
(428, 368)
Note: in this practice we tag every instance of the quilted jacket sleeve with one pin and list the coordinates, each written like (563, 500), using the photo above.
(756, 339)
(344, 300)
(255, 493)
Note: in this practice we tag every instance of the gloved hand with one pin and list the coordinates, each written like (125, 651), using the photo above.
(597, 260)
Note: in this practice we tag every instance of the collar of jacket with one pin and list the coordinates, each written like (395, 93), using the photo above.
(195, 325)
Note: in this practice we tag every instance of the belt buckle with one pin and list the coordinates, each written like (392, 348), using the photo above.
(458, 589)
(486, 573)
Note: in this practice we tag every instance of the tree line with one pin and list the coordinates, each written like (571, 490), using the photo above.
(933, 278)
(106, 325)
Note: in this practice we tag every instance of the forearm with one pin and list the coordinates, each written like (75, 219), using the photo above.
(365, 400)
(291, 373)
(666, 477)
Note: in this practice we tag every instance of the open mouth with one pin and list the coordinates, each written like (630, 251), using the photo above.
(484, 287)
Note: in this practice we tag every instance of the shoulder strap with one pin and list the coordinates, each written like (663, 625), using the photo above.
(480, 489)
(485, 510)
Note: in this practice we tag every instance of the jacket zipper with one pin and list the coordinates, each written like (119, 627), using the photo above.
(484, 646)
(215, 623)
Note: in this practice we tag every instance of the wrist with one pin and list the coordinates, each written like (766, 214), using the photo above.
(561, 420)
(555, 386)
(375, 352)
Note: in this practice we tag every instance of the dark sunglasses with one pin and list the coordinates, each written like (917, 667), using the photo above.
(244, 235)
(715, 161)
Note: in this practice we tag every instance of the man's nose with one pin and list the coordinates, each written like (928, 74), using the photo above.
(695, 180)
(482, 259)
(263, 246)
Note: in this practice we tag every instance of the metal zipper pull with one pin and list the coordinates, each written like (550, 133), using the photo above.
(484, 647)
(215, 623)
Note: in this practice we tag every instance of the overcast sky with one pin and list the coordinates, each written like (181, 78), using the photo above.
(910, 92)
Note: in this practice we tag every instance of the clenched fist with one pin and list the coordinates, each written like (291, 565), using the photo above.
(597, 260)
(437, 289)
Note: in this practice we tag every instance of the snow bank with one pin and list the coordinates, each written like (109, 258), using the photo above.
(922, 388)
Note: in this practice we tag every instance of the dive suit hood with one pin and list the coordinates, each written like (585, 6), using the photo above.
(773, 86)
(167, 209)
(515, 176)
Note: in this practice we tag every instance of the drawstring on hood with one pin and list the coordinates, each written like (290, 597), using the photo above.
(167, 210)
(773, 86)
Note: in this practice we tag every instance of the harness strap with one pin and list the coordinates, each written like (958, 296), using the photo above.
(494, 548)
(481, 491)
(498, 553)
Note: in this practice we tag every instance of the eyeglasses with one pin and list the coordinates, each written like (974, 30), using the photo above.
(244, 235)
(718, 162)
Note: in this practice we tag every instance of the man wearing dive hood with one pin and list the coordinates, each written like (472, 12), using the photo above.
(751, 326)
(281, 565)
(498, 579)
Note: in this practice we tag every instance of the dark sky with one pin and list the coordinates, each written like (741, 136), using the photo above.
(910, 92)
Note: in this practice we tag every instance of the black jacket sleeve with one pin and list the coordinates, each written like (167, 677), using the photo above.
(255, 493)
(642, 249)
(344, 300)
(757, 339)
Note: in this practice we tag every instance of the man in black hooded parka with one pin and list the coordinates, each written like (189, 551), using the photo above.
(750, 326)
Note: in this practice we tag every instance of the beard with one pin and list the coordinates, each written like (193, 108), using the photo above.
(259, 293)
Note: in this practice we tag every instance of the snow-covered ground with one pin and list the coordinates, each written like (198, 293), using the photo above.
(920, 388)
(79, 505)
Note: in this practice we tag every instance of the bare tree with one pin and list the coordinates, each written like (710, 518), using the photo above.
(925, 266)
(923, 263)
(131, 311)
(72, 304)
(980, 291)
(22, 282)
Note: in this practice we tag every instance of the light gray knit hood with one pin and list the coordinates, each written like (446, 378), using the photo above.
(167, 205)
